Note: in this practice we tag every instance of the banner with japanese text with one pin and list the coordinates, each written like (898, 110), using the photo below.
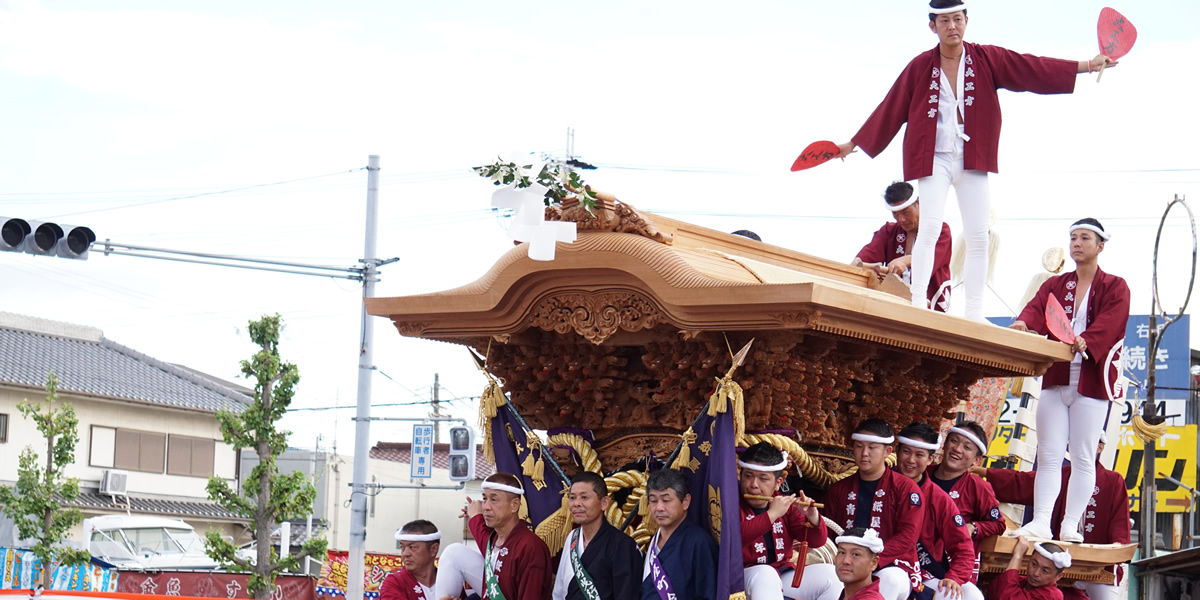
(335, 574)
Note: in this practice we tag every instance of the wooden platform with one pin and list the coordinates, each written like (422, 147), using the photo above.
(1089, 562)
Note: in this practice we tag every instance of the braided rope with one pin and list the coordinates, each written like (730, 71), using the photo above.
(811, 469)
(587, 455)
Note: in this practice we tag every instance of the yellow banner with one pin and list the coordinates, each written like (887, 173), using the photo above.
(1175, 455)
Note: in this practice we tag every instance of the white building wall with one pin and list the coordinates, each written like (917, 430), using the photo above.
(112, 414)
(393, 507)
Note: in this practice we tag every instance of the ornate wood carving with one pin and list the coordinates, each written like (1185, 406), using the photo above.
(411, 328)
(595, 316)
(799, 320)
(610, 215)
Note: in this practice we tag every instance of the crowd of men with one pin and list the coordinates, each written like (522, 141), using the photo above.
(910, 531)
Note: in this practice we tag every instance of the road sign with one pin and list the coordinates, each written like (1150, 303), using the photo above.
(422, 451)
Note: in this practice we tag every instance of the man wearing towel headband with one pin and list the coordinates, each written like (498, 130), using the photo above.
(1046, 567)
(769, 528)
(1075, 398)
(419, 541)
(515, 564)
(892, 245)
(965, 445)
(948, 98)
(944, 546)
(857, 557)
(879, 498)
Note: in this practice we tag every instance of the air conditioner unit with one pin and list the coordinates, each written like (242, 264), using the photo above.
(114, 483)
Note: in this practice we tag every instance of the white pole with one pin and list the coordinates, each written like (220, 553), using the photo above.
(362, 425)
(285, 539)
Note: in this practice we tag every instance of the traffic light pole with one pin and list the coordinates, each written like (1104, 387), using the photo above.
(362, 420)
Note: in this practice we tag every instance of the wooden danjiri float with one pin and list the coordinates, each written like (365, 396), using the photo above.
(613, 346)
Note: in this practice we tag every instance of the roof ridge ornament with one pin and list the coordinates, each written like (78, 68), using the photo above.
(607, 214)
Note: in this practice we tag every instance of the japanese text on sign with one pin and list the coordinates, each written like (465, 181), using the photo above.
(422, 451)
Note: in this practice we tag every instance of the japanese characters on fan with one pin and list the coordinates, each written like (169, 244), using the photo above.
(1075, 393)
(1106, 520)
(884, 501)
(419, 543)
(771, 527)
(1046, 566)
(681, 560)
(856, 560)
(597, 560)
(944, 546)
(948, 98)
(891, 245)
(514, 562)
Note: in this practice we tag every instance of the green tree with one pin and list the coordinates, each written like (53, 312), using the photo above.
(267, 498)
(31, 503)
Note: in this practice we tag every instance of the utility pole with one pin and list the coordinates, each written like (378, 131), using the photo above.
(362, 420)
(437, 411)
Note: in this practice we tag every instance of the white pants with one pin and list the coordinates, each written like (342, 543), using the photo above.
(820, 582)
(458, 565)
(974, 202)
(894, 583)
(1064, 415)
(1100, 591)
(969, 591)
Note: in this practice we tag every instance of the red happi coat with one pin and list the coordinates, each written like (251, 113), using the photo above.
(523, 567)
(897, 513)
(1010, 585)
(1106, 520)
(888, 244)
(944, 535)
(977, 504)
(871, 592)
(401, 585)
(913, 99)
(792, 526)
(1107, 315)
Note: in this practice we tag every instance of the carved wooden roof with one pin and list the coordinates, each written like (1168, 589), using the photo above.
(668, 279)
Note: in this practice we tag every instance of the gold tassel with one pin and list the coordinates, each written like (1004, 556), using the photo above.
(1147, 432)
(489, 406)
(539, 470)
(729, 391)
(643, 503)
(685, 451)
(523, 514)
(556, 527)
(527, 465)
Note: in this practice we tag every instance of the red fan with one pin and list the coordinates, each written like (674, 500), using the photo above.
(1115, 34)
(815, 154)
(1058, 323)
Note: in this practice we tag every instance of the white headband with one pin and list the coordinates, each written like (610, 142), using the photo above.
(1061, 560)
(919, 444)
(783, 462)
(873, 439)
(902, 205)
(869, 540)
(491, 485)
(970, 436)
(418, 537)
(948, 9)
(1088, 226)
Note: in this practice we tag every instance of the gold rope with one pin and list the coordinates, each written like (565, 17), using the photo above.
(489, 403)
(555, 528)
(685, 450)
(811, 469)
(587, 455)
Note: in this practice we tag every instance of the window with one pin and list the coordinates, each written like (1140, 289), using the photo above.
(3, 428)
(190, 456)
(140, 451)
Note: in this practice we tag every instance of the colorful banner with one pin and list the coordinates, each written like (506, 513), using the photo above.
(713, 484)
(207, 584)
(335, 574)
(23, 570)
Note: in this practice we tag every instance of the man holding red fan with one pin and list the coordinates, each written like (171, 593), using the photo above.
(1075, 393)
(948, 98)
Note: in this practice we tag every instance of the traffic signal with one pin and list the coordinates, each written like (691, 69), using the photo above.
(49, 239)
(462, 454)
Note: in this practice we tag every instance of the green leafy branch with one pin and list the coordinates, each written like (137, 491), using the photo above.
(561, 181)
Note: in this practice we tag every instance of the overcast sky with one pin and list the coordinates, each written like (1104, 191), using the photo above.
(115, 114)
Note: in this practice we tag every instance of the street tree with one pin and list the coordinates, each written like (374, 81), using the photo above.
(267, 498)
(34, 502)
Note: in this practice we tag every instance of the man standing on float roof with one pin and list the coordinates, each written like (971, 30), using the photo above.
(1074, 406)
(947, 96)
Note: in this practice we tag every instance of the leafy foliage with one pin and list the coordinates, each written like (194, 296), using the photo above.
(561, 181)
(31, 503)
(268, 498)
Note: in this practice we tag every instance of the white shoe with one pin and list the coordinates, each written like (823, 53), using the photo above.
(1070, 537)
(1032, 530)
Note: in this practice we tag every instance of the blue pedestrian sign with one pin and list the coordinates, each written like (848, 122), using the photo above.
(422, 451)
